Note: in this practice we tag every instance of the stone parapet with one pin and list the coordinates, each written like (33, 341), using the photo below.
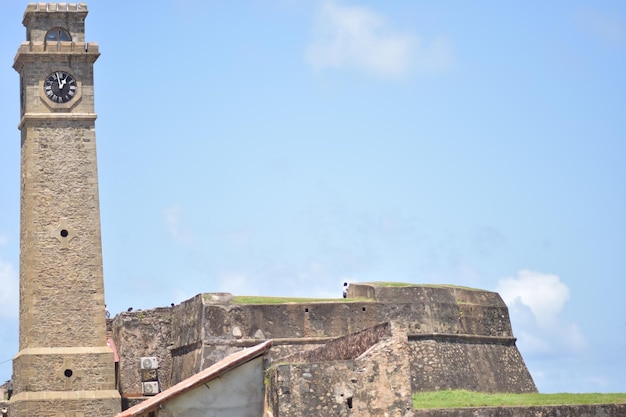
(56, 7)
(439, 308)
(56, 51)
(54, 47)
(41, 17)
(343, 348)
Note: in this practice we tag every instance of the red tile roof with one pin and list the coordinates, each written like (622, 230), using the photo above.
(210, 373)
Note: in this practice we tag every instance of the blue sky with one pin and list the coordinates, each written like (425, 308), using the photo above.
(282, 147)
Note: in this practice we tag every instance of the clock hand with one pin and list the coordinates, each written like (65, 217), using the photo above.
(59, 81)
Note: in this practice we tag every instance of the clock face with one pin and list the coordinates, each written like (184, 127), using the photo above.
(60, 87)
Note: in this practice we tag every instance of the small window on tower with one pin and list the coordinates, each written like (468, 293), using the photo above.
(58, 35)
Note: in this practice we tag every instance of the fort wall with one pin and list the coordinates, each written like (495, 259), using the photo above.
(373, 382)
(139, 334)
(446, 362)
(344, 348)
(451, 337)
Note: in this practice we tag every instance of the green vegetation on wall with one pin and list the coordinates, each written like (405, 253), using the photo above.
(462, 398)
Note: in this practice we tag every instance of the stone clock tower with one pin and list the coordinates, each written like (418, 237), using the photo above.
(64, 367)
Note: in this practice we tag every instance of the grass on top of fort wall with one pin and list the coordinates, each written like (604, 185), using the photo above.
(408, 284)
(244, 299)
(462, 398)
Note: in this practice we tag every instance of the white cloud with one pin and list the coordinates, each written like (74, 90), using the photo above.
(9, 295)
(536, 301)
(173, 220)
(544, 294)
(352, 37)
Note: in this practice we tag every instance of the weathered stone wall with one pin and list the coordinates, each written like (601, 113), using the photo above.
(425, 310)
(291, 320)
(209, 327)
(186, 338)
(372, 386)
(139, 334)
(440, 309)
(343, 348)
(420, 309)
(187, 322)
(61, 282)
(596, 410)
(455, 338)
(475, 364)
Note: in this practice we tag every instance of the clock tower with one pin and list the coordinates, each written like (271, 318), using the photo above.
(64, 367)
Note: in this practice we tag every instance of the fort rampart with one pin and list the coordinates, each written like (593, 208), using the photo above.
(455, 337)
(365, 355)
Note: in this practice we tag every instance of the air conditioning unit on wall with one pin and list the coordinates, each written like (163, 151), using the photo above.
(149, 362)
(150, 388)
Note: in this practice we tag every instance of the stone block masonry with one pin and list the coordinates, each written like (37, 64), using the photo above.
(451, 338)
(441, 362)
(143, 331)
(368, 383)
(64, 366)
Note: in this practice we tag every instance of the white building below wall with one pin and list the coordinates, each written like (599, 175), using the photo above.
(232, 387)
